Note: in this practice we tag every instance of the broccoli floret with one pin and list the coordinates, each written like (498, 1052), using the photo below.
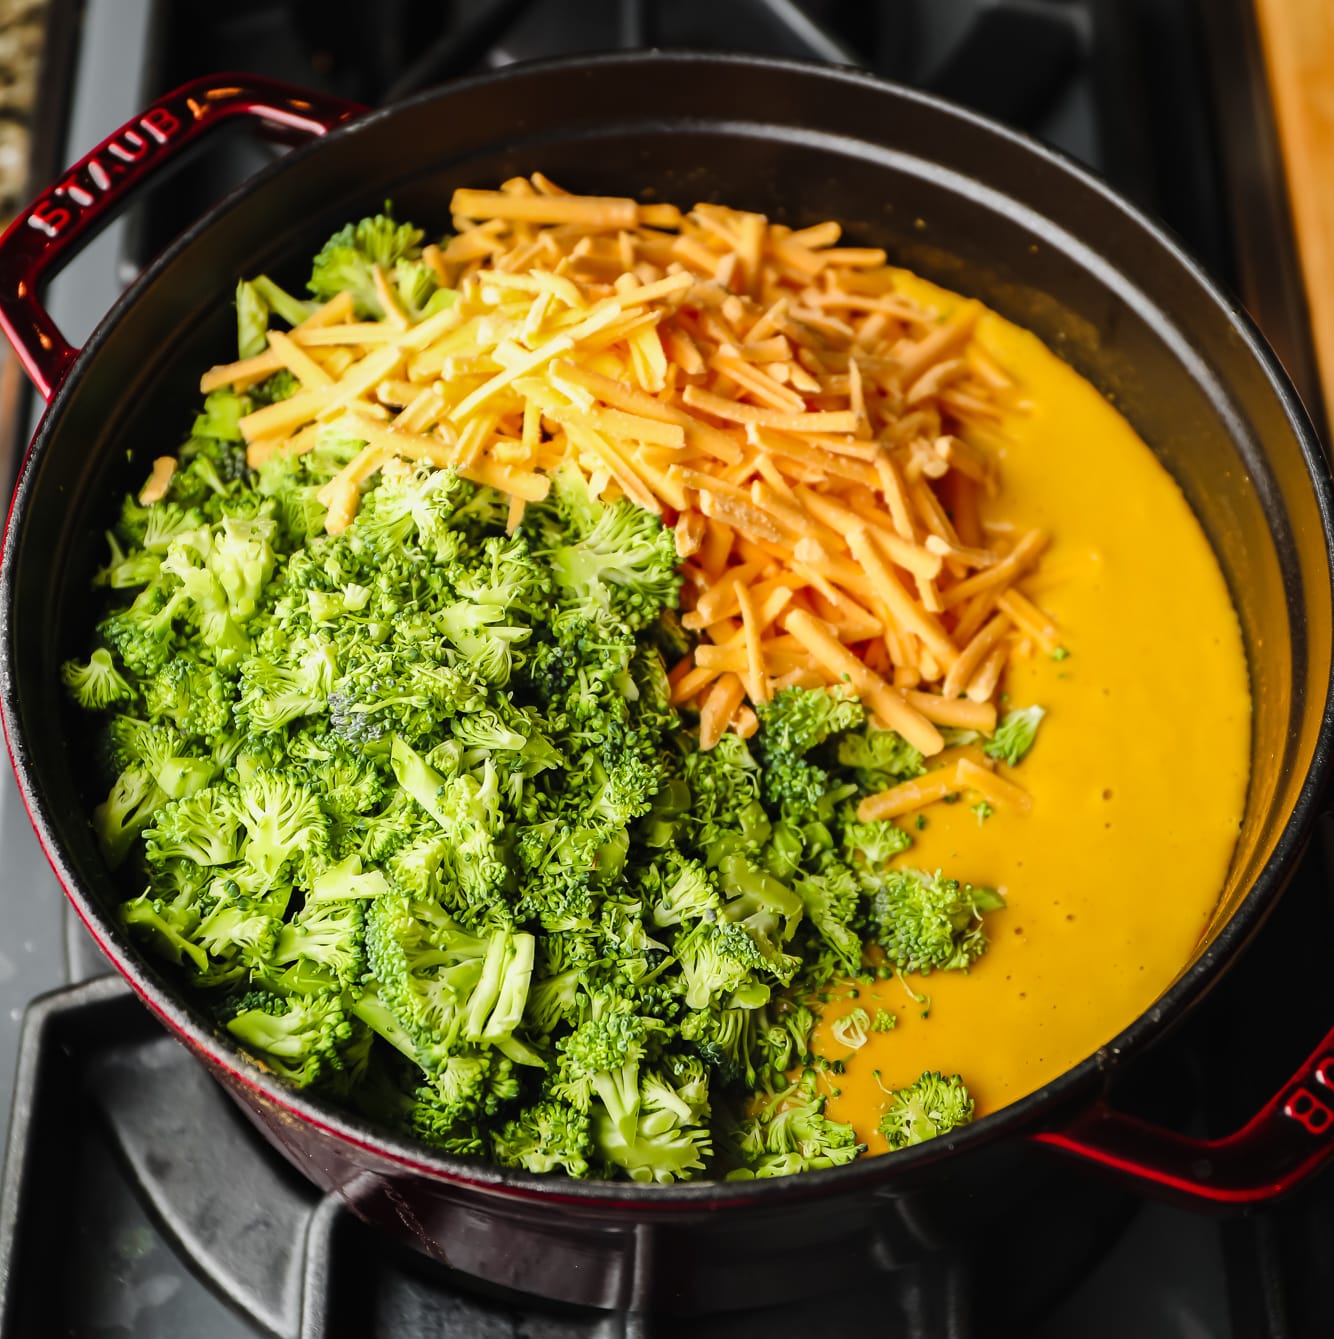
(484, 641)
(274, 694)
(671, 1138)
(347, 261)
(239, 934)
(346, 880)
(307, 1039)
(832, 899)
(127, 569)
(471, 1085)
(96, 685)
(788, 1132)
(679, 889)
(280, 386)
(242, 560)
(599, 1062)
(416, 285)
(426, 507)
(926, 922)
(544, 1137)
(215, 583)
(140, 635)
(284, 824)
(443, 985)
(879, 758)
(168, 925)
(782, 1040)
(191, 695)
(155, 767)
(622, 565)
(126, 811)
(717, 960)
(255, 299)
(725, 810)
(322, 947)
(465, 808)
(203, 827)
(1014, 735)
(869, 847)
(799, 719)
(221, 416)
(932, 1106)
(557, 891)
(378, 692)
(555, 1000)
(252, 321)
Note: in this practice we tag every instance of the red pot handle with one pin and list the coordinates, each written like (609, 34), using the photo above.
(44, 237)
(1286, 1142)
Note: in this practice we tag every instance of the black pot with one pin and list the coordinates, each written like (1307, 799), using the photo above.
(952, 196)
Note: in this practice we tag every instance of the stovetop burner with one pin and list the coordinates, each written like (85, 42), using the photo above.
(137, 1202)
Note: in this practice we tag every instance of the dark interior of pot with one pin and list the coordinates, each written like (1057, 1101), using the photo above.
(964, 205)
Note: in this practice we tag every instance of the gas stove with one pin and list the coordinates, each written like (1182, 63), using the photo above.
(137, 1202)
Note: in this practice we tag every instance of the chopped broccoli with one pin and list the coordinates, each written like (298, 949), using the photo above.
(322, 947)
(548, 1135)
(932, 1106)
(96, 685)
(309, 1039)
(348, 261)
(853, 1029)
(798, 719)
(926, 922)
(879, 758)
(788, 1132)
(255, 300)
(221, 416)
(252, 321)
(204, 827)
(1014, 735)
(620, 563)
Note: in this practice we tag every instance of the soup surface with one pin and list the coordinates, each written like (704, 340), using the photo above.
(1138, 777)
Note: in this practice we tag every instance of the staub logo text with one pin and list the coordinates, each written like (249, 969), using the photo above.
(99, 173)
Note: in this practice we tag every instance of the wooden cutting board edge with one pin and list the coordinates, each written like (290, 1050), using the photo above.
(1298, 39)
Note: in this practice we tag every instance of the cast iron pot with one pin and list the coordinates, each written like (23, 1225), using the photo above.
(960, 200)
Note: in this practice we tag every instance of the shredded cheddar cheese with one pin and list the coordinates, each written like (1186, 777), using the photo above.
(158, 482)
(817, 440)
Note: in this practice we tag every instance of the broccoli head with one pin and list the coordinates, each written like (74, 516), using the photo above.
(348, 260)
(546, 1136)
(1014, 735)
(98, 684)
(309, 1040)
(926, 921)
(932, 1106)
(788, 1132)
(621, 567)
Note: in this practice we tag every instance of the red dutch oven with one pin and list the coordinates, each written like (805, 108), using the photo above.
(959, 199)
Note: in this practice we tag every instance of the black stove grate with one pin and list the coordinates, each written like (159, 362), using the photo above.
(137, 1202)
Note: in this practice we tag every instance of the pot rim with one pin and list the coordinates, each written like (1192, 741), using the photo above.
(1075, 1085)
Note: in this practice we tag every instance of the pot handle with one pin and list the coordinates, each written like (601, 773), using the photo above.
(1287, 1141)
(46, 235)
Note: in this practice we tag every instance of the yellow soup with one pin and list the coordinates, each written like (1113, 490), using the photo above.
(1110, 879)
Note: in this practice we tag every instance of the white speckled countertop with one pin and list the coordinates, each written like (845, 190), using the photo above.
(22, 29)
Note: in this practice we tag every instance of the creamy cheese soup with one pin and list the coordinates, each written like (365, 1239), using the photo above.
(1138, 776)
